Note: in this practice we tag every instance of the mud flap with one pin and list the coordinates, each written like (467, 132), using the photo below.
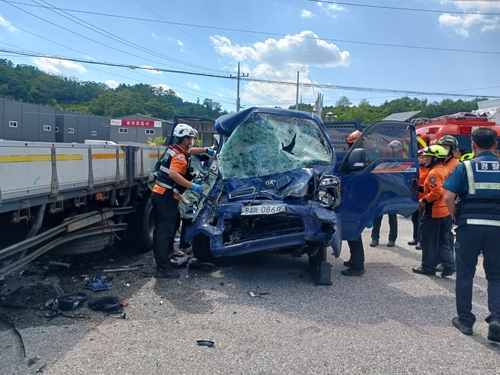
(321, 273)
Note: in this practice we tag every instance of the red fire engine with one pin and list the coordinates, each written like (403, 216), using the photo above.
(460, 125)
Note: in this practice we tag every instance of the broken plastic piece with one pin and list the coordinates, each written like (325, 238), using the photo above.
(207, 266)
(105, 303)
(205, 343)
(62, 264)
(256, 294)
(98, 283)
(121, 269)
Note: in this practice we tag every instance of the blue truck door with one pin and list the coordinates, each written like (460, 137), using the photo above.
(375, 179)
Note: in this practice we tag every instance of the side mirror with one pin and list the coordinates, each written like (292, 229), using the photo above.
(216, 140)
(357, 160)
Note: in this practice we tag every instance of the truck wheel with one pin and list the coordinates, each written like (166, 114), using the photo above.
(316, 253)
(201, 248)
(319, 269)
(85, 245)
(139, 233)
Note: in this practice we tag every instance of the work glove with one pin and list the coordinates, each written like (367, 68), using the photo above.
(210, 152)
(198, 189)
(421, 204)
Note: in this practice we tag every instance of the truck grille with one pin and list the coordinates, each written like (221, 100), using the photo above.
(257, 229)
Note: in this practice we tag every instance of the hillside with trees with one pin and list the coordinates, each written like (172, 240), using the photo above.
(365, 113)
(29, 84)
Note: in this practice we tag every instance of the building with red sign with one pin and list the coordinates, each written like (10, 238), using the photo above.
(138, 128)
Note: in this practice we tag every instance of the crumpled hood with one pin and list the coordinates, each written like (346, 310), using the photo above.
(277, 186)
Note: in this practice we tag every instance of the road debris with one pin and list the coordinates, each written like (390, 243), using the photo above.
(205, 343)
(98, 283)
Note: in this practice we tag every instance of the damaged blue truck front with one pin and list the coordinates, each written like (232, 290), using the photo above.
(274, 186)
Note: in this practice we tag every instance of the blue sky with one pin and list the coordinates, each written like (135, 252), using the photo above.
(425, 46)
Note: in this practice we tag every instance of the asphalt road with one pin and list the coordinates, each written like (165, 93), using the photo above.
(388, 321)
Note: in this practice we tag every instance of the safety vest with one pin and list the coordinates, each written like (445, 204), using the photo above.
(481, 204)
(164, 179)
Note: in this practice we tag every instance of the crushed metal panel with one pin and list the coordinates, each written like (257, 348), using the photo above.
(401, 116)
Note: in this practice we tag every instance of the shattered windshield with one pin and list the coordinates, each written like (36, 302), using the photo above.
(267, 144)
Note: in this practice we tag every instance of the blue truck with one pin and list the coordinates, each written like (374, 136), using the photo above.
(277, 184)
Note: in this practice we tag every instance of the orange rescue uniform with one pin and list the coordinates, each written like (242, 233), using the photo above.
(179, 164)
(422, 175)
(450, 165)
(434, 192)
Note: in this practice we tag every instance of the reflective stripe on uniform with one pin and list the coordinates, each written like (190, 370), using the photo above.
(470, 177)
(164, 169)
(495, 223)
(487, 185)
(167, 187)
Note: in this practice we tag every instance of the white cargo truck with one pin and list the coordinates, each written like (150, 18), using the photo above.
(72, 198)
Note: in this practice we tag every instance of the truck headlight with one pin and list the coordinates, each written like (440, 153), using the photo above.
(329, 191)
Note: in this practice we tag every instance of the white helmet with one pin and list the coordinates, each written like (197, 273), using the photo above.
(183, 130)
(395, 148)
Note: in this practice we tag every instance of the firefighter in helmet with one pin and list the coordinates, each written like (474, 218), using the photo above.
(450, 144)
(173, 179)
(436, 221)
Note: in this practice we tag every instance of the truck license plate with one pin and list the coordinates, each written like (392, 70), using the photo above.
(265, 209)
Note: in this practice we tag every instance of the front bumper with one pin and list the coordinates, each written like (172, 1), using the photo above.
(234, 234)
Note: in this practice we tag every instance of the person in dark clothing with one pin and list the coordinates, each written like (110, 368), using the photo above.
(393, 230)
(172, 180)
(356, 263)
(417, 215)
(477, 184)
(394, 150)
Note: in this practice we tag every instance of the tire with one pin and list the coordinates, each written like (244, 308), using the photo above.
(316, 252)
(85, 245)
(139, 233)
(201, 248)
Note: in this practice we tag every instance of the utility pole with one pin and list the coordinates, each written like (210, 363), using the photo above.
(297, 96)
(238, 87)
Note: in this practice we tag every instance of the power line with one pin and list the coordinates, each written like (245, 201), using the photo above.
(276, 34)
(405, 9)
(135, 46)
(304, 84)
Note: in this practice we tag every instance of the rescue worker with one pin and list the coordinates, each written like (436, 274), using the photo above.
(356, 263)
(477, 184)
(173, 179)
(395, 150)
(450, 144)
(436, 219)
(416, 216)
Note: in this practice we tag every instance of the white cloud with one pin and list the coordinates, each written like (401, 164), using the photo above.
(280, 60)
(112, 84)
(331, 10)
(56, 65)
(304, 49)
(7, 24)
(180, 43)
(154, 36)
(193, 85)
(307, 14)
(462, 24)
(151, 69)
